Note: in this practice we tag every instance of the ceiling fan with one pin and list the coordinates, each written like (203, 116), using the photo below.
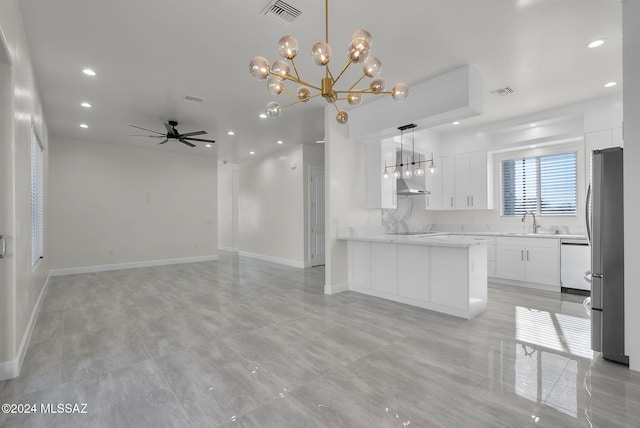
(172, 133)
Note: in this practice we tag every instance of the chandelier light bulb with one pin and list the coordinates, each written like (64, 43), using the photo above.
(281, 68)
(275, 85)
(396, 173)
(372, 66)
(288, 47)
(385, 173)
(342, 117)
(433, 169)
(259, 68)
(362, 34)
(321, 53)
(400, 92)
(354, 99)
(303, 94)
(407, 172)
(419, 172)
(358, 50)
(273, 110)
(378, 84)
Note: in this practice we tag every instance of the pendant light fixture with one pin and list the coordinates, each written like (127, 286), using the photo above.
(411, 167)
(357, 52)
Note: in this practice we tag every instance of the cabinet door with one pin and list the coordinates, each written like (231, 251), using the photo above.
(510, 262)
(543, 265)
(478, 180)
(381, 192)
(384, 268)
(433, 183)
(448, 183)
(462, 189)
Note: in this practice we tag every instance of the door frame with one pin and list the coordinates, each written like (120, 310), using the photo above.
(310, 170)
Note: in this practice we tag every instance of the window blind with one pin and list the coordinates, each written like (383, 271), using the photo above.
(544, 185)
(36, 199)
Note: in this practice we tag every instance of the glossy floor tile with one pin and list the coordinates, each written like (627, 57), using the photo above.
(245, 343)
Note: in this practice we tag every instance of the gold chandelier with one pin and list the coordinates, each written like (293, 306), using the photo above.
(357, 52)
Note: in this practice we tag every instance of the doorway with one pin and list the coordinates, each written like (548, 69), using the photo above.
(316, 216)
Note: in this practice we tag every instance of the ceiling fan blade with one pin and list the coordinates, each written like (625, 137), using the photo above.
(162, 142)
(171, 131)
(150, 136)
(200, 139)
(189, 134)
(183, 141)
(145, 129)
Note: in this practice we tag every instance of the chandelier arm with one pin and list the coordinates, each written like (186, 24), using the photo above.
(296, 80)
(349, 61)
(296, 102)
(357, 81)
(295, 68)
(335, 105)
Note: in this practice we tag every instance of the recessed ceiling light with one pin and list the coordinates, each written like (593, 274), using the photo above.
(596, 43)
(252, 153)
(84, 126)
(85, 105)
(456, 123)
(263, 116)
(610, 84)
(89, 72)
(320, 141)
(231, 133)
(207, 145)
(280, 142)
(532, 125)
(534, 146)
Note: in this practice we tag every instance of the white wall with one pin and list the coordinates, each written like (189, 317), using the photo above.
(228, 206)
(631, 55)
(271, 207)
(115, 206)
(345, 197)
(22, 286)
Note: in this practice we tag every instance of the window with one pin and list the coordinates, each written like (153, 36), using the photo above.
(37, 185)
(544, 185)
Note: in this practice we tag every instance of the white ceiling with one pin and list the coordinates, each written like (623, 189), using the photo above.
(149, 54)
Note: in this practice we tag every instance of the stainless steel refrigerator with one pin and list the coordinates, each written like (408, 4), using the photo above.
(605, 229)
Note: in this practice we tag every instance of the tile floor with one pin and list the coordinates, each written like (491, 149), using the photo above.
(246, 343)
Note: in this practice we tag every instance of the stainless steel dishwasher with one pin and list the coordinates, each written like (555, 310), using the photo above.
(575, 266)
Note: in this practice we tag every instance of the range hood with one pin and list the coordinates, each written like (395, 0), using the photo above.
(410, 188)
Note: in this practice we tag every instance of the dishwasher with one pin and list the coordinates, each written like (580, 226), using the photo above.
(575, 266)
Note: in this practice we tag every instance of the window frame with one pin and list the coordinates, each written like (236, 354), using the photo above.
(539, 153)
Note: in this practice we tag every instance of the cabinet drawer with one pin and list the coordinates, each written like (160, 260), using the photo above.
(528, 242)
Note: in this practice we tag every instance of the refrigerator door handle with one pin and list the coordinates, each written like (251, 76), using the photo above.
(587, 213)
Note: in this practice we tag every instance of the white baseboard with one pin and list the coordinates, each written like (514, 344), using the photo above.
(230, 249)
(130, 265)
(11, 369)
(288, 262)
(336, 288)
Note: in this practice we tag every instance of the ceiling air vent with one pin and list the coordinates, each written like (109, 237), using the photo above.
(503, 92)
(281, 11)
(193, 99)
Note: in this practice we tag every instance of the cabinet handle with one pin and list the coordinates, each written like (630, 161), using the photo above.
(452, 202)
(467, 200)
(522, 255)
(527, 255)
(471, 200)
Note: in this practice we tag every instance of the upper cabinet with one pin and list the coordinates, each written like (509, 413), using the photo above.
(464, 182)
(381, 192)
(598, 140)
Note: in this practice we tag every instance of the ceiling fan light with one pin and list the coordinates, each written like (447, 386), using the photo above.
(321, 53)
(259, 68)
(400, 92)
(288, 47)
(378, 84)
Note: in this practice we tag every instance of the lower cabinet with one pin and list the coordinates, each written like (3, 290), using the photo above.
(529, 260)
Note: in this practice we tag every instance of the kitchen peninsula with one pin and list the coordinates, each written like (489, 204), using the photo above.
(436, 271)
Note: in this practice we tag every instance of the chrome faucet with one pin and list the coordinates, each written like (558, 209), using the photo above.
(535, 225)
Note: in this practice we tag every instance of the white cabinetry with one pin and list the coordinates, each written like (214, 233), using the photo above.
(464, 182)
(381, 192)
(599, 140)
(535, 261)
